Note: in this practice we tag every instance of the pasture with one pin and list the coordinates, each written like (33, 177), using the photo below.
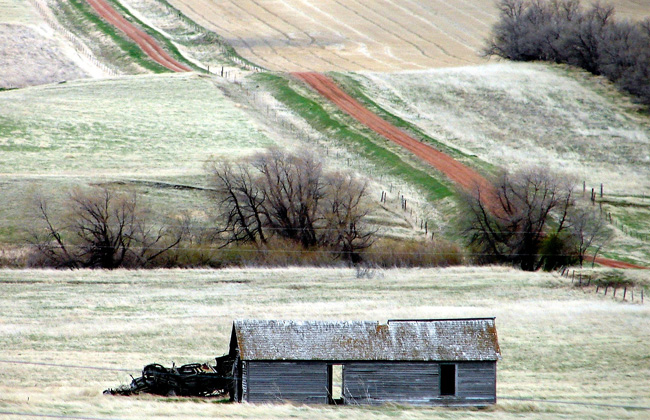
(152, 132)
(517, 115)
(132, 127)
(559, 342)
(514, 115)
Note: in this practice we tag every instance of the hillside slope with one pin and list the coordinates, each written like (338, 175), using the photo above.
(352, 35)
(515, 115)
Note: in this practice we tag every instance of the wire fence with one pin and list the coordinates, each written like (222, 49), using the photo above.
(79, 46)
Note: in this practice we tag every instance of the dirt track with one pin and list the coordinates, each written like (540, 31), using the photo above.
(617, 264)
(465, 177)
(146, 42)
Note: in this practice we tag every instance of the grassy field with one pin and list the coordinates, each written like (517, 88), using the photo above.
(30, 51)
(143, 127)
(560, 118)
(151, 132)
(558, 342)
(537, 114)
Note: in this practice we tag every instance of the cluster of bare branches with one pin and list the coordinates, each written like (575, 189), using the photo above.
(101, 229)
(562, 31)
(280, 194)
(538, 222)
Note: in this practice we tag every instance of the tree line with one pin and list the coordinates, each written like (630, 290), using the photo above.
(275, 202)
(281, 208)
(563, 31)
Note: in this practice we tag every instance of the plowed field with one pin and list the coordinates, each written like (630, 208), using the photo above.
(378, 35)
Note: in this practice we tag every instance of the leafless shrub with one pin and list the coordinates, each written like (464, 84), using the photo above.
(100, 229)
(389, 253)
(562, 31)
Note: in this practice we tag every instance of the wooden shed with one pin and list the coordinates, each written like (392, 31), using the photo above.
(434, 362)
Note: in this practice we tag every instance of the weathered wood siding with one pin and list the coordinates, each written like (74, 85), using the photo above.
(476, 382)
(376, 383)
(303, 382)
(418, 383)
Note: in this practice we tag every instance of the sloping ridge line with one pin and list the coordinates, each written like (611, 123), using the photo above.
(465, 177)
(144, 41)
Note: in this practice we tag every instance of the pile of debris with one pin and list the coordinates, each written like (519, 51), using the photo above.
(192, 380)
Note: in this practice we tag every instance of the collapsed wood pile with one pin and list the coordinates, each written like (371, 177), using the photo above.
(191, 380)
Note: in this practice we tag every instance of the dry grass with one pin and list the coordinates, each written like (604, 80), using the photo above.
(31, 52)
(386, 35)
(513, 115)
(558, 343)
(130, 127)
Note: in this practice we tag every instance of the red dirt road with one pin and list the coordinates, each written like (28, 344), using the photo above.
(617, 264)
(465, 177)
(146, 42)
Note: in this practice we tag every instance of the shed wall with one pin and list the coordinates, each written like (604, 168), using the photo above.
(302, 382)
(476, 382)
(376, 383)
(418, 383)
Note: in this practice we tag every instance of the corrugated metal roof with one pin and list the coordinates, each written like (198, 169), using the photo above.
(408, 340)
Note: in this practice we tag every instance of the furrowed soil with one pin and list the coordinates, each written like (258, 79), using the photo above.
(347, 35)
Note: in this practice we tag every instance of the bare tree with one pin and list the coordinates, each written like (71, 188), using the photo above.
(531, 205)
(288, 195)
(240, 198)
(588, 230)
(562, 31)
(294, 187)
(101, 230)
(345, 211)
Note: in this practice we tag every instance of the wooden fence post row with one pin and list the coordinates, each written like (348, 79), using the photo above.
(586, 282)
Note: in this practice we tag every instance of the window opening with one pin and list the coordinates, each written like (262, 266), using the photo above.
(447, 379)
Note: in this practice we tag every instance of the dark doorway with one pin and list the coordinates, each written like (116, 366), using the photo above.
(447, 379)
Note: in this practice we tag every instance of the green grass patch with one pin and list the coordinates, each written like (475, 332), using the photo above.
(363, 142)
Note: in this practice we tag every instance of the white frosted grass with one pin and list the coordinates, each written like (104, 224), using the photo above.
(515, 115)
(18, 12)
